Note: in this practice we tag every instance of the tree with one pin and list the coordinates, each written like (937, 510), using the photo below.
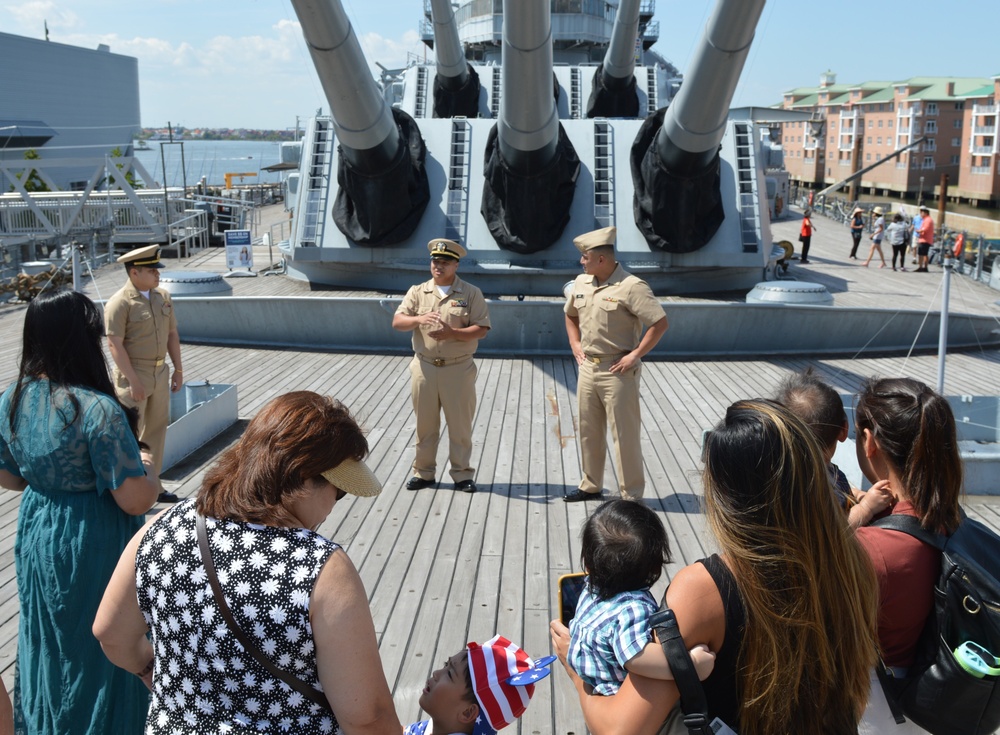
(129, 175)
(34, 182)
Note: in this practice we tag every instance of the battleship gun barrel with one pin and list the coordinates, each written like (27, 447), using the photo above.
(529, 124)
(613, 92)
(362, 120)
(619, 62)
(676, 168)
(451, 63)
(696, 119)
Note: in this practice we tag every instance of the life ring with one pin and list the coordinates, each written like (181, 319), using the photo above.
(959, 245)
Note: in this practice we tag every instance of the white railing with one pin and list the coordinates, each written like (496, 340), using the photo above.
(984, 130)
(982, 150)
(980, 170)
(984, 109)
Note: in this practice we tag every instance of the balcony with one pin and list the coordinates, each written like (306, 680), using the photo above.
(980, 170)
(984, 130)
(982, 150)
(984, 109)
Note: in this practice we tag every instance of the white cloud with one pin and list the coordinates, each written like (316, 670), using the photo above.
(30, 17)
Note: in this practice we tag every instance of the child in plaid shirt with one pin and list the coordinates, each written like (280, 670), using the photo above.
(624, 550)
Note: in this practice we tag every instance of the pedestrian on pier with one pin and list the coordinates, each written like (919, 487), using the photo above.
(878, 234)
(857, 230)
(447, 317)
(612, 321)
(142, 330)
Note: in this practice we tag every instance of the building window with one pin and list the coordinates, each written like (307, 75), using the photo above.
(868, 156)
(960, 105)
(880, 123)
(928, 161)
(930, 126)
(954, 160)
(930, 144)
(932, 108)
(879, 139)
(957, 124)
(890, 123)
(881, 107)
(871, 124)
(869, 140)
(878, 156)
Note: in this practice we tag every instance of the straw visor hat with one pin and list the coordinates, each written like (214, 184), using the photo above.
(857, 210)
(878, 211)
(355, 478)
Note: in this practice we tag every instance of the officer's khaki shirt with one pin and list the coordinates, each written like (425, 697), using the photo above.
(462, 307)
(613, 316)
(143, 324)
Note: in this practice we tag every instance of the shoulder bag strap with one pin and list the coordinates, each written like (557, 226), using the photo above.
(911, 526)
(310, 693)
(693, 702)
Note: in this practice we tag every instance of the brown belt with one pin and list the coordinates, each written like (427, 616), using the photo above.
(598, 359)
(442, 361)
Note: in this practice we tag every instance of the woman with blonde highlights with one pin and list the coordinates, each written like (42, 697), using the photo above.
(788, 606)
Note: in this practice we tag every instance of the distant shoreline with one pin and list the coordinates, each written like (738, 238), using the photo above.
(239, 134)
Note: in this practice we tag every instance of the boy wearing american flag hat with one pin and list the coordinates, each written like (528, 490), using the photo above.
(479, 690)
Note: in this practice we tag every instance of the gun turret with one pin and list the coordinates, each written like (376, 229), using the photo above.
(613, 92)
(675, 158)
(383, 186)
(456, 84)
(531, 166)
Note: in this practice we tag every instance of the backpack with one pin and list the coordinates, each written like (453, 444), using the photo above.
(938, 694)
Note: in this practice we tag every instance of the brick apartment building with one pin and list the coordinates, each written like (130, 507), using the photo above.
(852, 126)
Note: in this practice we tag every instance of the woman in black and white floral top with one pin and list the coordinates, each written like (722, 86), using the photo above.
(294, 593)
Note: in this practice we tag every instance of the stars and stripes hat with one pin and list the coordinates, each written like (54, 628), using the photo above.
(503, 680)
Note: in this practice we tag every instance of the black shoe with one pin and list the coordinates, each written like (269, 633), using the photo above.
(166, 497)
(466, 486)
(578, 496)
(418, 483)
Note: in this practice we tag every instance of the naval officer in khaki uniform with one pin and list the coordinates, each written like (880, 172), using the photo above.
(142, 331)
(448, 317)
(606, 313)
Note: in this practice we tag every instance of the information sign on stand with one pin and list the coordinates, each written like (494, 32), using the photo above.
(239, 254)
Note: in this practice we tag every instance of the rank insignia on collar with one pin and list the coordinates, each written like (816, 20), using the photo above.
(579, 295)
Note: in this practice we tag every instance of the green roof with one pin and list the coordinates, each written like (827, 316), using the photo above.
(988, 91)
(926, 88)
(936, 88)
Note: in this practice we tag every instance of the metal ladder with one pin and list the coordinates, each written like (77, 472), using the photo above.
(420, 110)
(652, 100)
(746, 184)
(317, 183)
(495, 94)
(604, 180)
(574, 94)
(459, 171)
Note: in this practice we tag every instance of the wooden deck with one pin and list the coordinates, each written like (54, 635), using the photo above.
(442, 568)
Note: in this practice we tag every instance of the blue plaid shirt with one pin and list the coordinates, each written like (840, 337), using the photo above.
(605, 635)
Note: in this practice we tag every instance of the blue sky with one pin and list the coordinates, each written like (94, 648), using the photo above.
(243, 63)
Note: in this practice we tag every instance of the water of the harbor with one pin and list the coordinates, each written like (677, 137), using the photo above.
(212, 159)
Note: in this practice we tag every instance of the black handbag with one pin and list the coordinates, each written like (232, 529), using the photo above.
(313, 695)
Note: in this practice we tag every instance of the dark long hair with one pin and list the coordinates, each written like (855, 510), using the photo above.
(62, 342)
(915, 428)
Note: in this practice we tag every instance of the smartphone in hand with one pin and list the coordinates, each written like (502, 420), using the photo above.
(570, 587)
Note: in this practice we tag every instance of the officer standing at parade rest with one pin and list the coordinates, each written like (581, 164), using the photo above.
(142, 330)
(448, 317)
(606, 312)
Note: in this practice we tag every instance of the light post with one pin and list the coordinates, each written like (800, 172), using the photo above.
(920, 194)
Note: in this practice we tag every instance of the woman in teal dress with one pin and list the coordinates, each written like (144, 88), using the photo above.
(66, 441)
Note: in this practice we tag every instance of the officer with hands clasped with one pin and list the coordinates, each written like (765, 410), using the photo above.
(448, 317)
